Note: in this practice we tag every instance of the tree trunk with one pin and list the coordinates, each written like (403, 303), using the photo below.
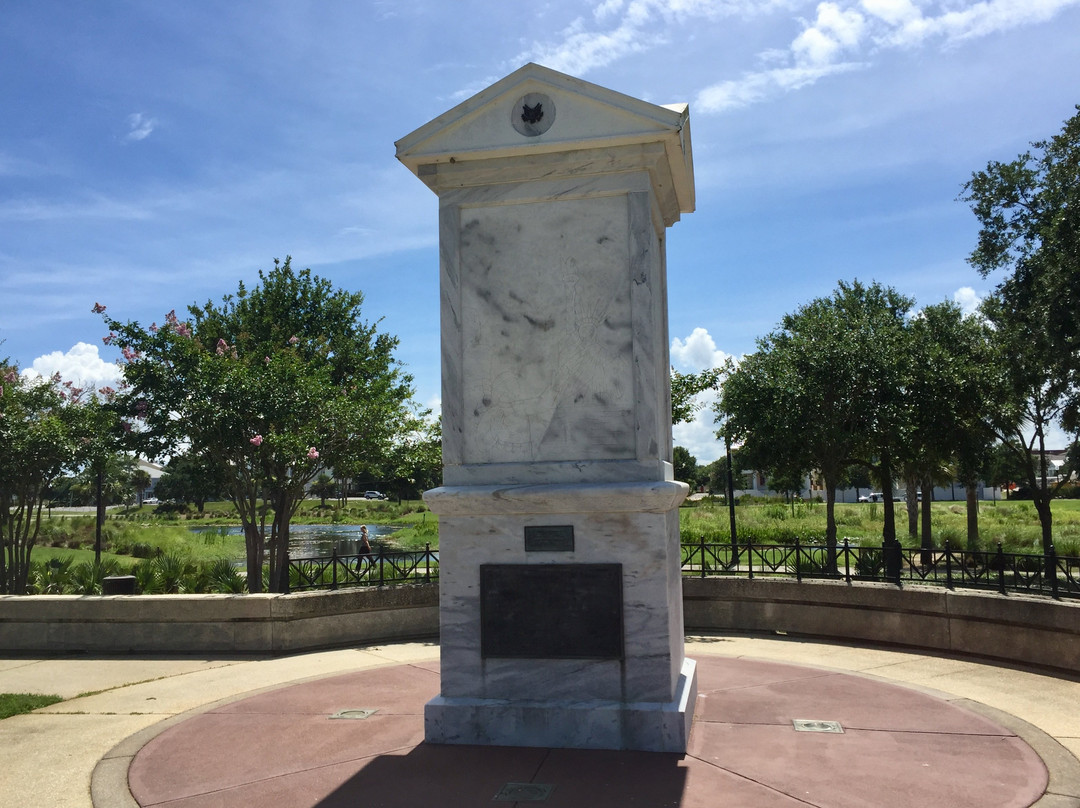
(253, 542)
(1046, 519)
(279, 543)
(100, 517)
(971, 495)
(888, 530)
(911, 494)
(927, 557)
(830, 525)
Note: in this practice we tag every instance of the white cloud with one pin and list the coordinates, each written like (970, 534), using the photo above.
(81, 364)
(699, 436)
(967, 299)
(834, 31)
(755, 87)
(139, 126)
(635, 27)
(842, 38)
(892, 12)
(607, 8)
(92, 206)
(968, 21)
(697, 352)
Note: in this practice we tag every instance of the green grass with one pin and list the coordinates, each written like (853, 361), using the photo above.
(127, 541)
(1015, 524)
(18, 703)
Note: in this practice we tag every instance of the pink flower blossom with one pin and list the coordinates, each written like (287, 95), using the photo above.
(108, 392)
(109, 339)
(170, 318)
(257, 440)
(183, 330)
(222, 346)
(312, 453)
(126, 426)
(98, 308)
(153, 328)
(294, 339)
(266, 359)
(11, 375)
(129, 354)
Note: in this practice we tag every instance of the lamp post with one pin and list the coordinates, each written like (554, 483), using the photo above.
(731, 502)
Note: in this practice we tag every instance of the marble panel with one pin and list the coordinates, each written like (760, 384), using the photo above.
(544, 293)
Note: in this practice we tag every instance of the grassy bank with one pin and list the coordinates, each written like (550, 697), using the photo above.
(1014, 524)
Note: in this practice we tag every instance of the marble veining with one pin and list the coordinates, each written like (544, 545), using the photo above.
(544, 293)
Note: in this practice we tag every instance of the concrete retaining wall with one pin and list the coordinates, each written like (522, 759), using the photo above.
(1036, 631)
(1015, 628)
(218, 623)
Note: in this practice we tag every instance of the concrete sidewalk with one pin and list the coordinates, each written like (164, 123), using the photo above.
(48, 758)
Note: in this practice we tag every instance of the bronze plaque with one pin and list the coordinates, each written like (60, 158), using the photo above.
(549, 538)
(551, 611)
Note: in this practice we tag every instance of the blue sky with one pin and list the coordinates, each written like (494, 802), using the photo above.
(153, 154)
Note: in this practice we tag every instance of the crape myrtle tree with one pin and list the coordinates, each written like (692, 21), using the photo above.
(42, 429)
(1029, 216)
(824, 391)
(272, 385)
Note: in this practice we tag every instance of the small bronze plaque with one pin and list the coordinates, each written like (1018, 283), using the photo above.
(549, 538)
(551, 611)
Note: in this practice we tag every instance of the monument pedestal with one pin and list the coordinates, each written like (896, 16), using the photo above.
(561, 615)
(559, 560)
(594, 724)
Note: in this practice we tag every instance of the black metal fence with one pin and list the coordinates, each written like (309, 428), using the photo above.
(1049, 574)
(380, 568)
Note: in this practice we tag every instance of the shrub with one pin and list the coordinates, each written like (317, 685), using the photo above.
(225, 578)
(869, 563)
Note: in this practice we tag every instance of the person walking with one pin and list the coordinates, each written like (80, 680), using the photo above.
(364, 557)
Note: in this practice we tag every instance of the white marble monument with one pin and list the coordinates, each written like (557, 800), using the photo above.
(561, 599)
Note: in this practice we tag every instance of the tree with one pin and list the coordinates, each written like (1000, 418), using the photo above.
(954, 381)
(272, 385)
(1029, 216)
(39, 436)
(191, 478)
(685, 388)
(414, 458)
(139, 481)
(685, 466)
(324, 486)
(824, 391)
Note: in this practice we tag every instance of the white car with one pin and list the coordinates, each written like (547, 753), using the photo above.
(873, 497)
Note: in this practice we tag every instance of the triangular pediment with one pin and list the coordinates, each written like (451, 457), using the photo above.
(536, 110)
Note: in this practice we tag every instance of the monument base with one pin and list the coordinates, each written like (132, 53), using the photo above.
(593, 724)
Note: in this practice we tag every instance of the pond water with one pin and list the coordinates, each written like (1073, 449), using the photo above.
(307, 541)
